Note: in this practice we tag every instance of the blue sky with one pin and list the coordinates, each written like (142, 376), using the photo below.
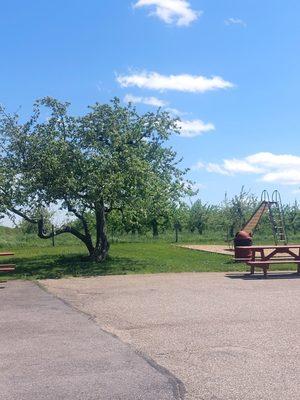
(168, 52)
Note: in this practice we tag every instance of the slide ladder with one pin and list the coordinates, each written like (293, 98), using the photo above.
(276, 216)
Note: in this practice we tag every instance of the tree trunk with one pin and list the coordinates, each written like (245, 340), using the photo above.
(101, 248)
(154, 228)
(200, 230)
(99, 254)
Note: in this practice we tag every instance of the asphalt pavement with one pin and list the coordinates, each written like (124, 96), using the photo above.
(226, 337)
(50, 351)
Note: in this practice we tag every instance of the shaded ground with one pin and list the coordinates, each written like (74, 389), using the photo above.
(49, 351)
(226, 337)
(124, 258)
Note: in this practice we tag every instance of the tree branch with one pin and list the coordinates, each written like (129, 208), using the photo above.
(23, 215)
(64, 229)
(41, 231)
(81, 218)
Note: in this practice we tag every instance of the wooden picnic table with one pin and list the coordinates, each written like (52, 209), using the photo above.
(6, 267)
(277, 254)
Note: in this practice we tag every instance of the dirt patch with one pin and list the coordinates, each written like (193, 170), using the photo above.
(211, 248)
(221, 249)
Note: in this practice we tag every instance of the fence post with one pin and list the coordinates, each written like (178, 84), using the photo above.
(53, 240)
(176, 226)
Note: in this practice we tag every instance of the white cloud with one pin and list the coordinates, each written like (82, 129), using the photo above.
(286, 177)
(150, 101)
(198, 165)
(182, 83)
(177, 12)
(153, 101)
(193, 128)
(175, 112)
(235, 21)
(241, 166)
(218, 169)
(272, 168)
(274, 160)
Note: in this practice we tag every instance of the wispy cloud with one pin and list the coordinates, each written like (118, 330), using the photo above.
(175, 112)
(235, 21)
(155, 102)
(272, 168)
(182, 83)
(194, 128)
(150, 101)
(178, 12)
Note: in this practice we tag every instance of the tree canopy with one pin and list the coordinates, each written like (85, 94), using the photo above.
(110, 158)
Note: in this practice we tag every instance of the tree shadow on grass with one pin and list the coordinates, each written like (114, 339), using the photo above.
(55, 267)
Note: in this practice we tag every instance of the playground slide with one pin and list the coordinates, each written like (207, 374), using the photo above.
(254, 220)
(276, 216)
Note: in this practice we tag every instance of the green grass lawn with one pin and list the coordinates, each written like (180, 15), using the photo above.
(125, 258)
(37, 259)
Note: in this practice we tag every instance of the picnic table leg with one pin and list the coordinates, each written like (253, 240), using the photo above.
(298, 269)
(252, 270)
(265, 269)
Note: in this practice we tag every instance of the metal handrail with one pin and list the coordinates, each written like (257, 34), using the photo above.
(276, 198)
(265, 196)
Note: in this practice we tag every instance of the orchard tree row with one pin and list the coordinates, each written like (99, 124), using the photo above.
(220, 221)
(224, 219)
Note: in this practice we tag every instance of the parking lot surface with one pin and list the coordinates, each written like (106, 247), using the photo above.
(226, 337)
(49, 351)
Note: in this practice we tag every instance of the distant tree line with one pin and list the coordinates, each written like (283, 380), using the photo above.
(225, 218)
(221, 220)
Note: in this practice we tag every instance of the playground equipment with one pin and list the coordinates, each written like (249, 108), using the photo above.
(276, 216)
(265, 256)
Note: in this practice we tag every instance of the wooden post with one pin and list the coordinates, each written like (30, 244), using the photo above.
(176, 227)
(53, 240)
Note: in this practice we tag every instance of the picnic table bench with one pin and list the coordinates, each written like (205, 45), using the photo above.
(7, 267)
(277, 254)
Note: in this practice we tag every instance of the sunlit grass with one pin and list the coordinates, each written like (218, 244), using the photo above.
(37, 259)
